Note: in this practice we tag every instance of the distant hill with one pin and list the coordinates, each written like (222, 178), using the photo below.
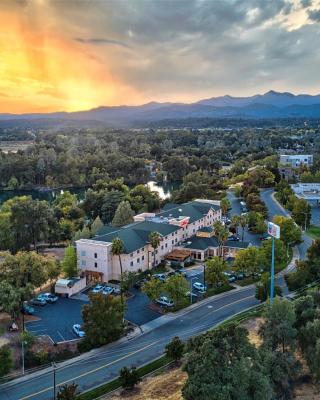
(267, 106)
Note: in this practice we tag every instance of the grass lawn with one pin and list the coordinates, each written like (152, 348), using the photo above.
(216, 290)
(314, 231)
(248, 281)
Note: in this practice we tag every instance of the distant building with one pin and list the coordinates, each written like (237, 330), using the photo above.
(307, 191)
(295, 160)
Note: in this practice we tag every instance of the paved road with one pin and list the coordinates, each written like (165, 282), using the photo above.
(275, 208)
(236, 210)
(99, 366)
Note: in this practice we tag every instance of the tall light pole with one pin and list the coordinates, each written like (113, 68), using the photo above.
(22, 352)
(274, 232)
(54, 380)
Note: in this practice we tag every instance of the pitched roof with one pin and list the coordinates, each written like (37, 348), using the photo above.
(136, 235)
(194, 209)
(201, 243)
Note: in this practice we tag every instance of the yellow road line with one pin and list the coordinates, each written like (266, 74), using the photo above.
(90, 372)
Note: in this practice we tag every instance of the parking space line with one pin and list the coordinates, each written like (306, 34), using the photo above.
(61, 336)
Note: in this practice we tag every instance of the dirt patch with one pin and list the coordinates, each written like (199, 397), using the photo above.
(307, 391)
(253, 325)
(165, 386)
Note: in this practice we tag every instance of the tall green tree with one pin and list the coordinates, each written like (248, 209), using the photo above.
(123, 214)
(225, 205)
(117, 249)
(175, 349)
(243, 221)
(153, 288)
(111, 201)
(278, 331)
(102, 319)
(301, 213)
(154, 239)
(222, 364)
(263, 288)
(96, 225)
(290, 233)
(250, 260)
(129, 377)
(215, 268)
(176, 287)
(69, 262)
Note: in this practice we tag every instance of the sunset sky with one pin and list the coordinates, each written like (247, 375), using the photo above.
(74, 55)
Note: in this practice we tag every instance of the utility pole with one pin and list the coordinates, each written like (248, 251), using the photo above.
(54, 380)
(274, 232)
(272, 274)
(22, 352)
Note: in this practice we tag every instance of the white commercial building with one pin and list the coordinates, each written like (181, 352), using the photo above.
(175, 224)
(295, 160)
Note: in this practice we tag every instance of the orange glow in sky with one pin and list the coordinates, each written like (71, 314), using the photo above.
(42, 71)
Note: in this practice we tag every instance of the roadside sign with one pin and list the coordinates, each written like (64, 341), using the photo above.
(274, 230)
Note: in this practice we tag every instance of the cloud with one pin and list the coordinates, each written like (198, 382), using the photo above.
(101, 41)
(314, 15)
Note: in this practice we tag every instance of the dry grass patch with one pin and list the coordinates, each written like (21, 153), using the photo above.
(253, 325)
(165, 386)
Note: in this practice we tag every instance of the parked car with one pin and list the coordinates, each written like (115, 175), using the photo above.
(232, 279)
(38, 301)
(171, 273)
(183, 272)
(200, 287)
(27, 310)
(264, 237)
(49, 297)
(116, 290)
(97, 289)
(78, 331)
(240, 276)
(234, 238)
(140, 283)
(107, 290)
(164, 301)
(162, 277)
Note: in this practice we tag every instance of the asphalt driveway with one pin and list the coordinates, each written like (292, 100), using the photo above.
(56, 320)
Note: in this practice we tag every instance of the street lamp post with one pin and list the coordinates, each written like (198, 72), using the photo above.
(272, 273)
(54, 380)
(22, 352)
(191, 281)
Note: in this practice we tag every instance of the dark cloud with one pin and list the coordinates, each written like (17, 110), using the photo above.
(314, 15)
(305, 3)
(101, 41)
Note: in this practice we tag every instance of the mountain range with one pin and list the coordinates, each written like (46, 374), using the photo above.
(269, 105)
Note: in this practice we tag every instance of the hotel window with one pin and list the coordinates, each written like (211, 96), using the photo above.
(83, 262)
(138, 260)
(83, 253)
(142, 258)
(96, 265)
(95, 255)
(176, 240)
(172, 234)
(138, 251)
(131, 255)
(142, 248)
(162, 247)
(166, 245)
(131, 263)
(172, 241)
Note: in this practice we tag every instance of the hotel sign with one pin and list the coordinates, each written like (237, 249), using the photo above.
(274, 230)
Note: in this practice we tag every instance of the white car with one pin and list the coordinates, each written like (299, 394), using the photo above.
(49, 297)
(78, 331)
(107, 290)
(116, 290)
(164, 301)
(97, 289)
(200, 287)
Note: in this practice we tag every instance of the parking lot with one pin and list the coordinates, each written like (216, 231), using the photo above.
(56, 320)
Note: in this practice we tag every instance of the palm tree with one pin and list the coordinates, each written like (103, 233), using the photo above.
(154, 239)
(223, 237)
(243, 220)
(117, 249)
(235, 220)
(225, 205)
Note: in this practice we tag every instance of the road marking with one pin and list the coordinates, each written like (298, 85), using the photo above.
(61, 336)
(30, 396)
